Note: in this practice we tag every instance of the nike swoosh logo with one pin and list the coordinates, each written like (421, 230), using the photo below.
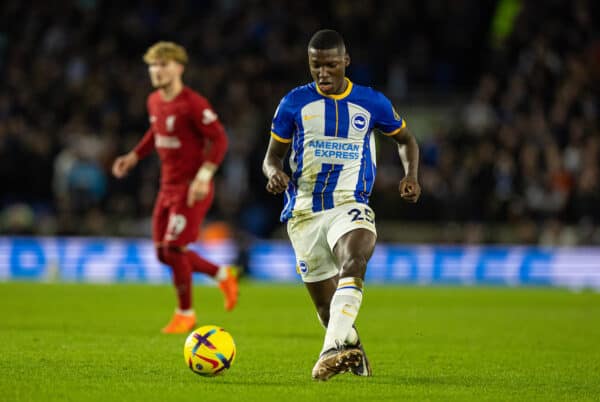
(347, 313)
(311, 116)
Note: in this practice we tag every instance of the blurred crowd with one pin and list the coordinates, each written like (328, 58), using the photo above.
(522, 149)
(526, 147)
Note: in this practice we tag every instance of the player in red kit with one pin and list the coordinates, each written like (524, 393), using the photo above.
(191, 143)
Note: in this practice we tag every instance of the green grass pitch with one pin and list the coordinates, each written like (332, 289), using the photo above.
(72, 342)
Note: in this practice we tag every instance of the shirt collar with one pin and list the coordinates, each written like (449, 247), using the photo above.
(337, 96)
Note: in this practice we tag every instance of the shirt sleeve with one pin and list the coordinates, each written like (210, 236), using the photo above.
(387, 120)
(207, 122)
(282, 128)
(146, 145)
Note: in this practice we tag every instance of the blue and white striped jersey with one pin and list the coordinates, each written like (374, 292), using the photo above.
(333, 151)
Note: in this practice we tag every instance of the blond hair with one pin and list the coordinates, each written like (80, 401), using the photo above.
(166, 51)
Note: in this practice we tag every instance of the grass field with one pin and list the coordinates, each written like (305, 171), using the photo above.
(61, 342)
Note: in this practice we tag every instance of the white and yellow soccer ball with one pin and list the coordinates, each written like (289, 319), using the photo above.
(209, 350)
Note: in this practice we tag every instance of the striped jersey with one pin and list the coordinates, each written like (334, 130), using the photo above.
(333, 151)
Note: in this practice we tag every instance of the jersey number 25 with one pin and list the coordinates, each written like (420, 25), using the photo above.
(357, 215)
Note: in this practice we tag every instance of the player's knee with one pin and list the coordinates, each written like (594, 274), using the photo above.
(170, 255)
(354, 266)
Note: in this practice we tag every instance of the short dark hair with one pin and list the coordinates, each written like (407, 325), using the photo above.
(326, 39)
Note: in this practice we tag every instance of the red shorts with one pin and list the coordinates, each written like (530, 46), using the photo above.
(173, 223)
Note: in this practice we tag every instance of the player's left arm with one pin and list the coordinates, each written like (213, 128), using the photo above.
(207, 123)
(408, 149)
(392, 125)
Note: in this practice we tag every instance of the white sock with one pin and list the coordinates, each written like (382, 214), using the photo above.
(221, 273)
(343, 311)
(351, 339)
(189, 312)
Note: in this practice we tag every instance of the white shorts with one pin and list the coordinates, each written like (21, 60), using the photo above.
(314, 236)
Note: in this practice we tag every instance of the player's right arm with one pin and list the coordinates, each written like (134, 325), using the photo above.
(273, 166)
(124, 163)
(282, 131)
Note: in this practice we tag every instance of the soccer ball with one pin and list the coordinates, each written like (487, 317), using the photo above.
(209, 350)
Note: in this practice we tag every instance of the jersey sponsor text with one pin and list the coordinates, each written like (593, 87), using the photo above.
(166, 141)
(333, 149)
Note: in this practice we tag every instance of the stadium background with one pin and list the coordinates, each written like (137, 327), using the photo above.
(502, 96)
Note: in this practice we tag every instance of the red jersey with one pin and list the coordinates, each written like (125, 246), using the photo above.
(185, 132)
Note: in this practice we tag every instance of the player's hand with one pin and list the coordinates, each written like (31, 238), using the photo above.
(278, 182)
(123, 164)
(410, 190)
(198, 190)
